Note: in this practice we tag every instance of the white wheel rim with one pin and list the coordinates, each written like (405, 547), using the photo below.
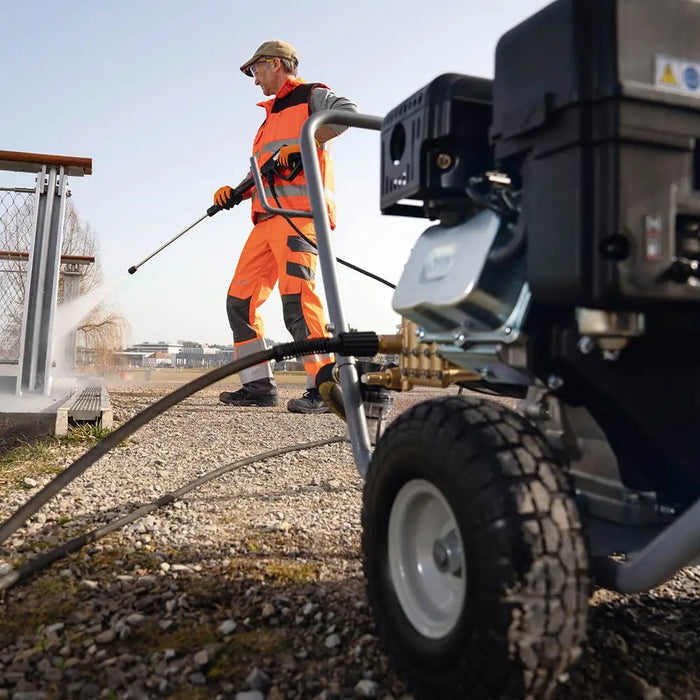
(431, 591)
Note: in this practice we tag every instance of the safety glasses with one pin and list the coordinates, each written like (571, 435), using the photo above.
(254, 68)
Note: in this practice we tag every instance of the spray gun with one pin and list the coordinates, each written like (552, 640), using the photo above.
(267, 170)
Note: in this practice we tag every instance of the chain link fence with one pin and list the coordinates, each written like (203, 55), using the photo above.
(16, 233)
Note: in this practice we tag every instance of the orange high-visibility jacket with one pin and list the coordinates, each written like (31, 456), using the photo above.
(285, 116)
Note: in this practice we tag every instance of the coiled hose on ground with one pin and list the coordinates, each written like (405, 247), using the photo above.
(44, 560)
(355, 344)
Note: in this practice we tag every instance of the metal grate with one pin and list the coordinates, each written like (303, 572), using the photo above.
(87, 405)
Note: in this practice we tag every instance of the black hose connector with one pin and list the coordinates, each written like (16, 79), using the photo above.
(359, 344)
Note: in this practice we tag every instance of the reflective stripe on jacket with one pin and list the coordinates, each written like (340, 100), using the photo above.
(285, 116)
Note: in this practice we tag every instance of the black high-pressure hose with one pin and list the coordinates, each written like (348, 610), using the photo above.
(355, 344)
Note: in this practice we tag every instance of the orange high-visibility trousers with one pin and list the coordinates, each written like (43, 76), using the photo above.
(275, 253)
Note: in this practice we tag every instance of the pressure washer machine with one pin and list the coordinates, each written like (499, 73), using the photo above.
(560, 290)
(556, 300)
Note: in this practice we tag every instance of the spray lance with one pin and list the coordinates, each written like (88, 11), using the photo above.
(267, 169)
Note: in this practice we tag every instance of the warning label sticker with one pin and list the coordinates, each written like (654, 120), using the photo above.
(677, 74)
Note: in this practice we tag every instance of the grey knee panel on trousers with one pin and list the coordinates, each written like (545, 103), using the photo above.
(301, 271)
(294, 316)
(299, 245)
(238, 311)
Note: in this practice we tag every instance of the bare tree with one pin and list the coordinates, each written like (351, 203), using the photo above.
(104, 329)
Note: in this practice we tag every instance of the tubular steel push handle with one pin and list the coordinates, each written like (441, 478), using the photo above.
(349, 380)
(258, 177)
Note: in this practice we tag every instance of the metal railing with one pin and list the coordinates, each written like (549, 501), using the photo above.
(17, 216)
(17, 205)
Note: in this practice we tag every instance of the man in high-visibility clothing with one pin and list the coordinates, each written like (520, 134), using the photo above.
(275, 252)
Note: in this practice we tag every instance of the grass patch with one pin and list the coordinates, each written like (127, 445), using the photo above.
(285, 571)
(87, 434)
(53, 598)
(260, 641)
(188, 636)
(243, 648)
(41, 451)
(31, 458)
(47, 455)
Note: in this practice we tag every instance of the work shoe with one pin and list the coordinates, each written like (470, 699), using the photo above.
(310, 402)
(243, 397)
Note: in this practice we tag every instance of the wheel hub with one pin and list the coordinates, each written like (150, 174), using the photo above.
(426, 558)
(447, 554)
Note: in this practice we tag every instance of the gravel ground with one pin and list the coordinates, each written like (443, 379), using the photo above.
(251, 586)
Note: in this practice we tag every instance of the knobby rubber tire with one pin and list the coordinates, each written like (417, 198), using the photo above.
(527, 576)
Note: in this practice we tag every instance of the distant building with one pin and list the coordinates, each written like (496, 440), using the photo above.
(126, 358)
(160, 354)
(197, 355)
(169, 348)
(223, 356)
(159, 359)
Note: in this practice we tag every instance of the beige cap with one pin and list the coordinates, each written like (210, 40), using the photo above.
(270, 49)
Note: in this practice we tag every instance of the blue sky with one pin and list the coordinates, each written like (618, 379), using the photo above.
(151, 91)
